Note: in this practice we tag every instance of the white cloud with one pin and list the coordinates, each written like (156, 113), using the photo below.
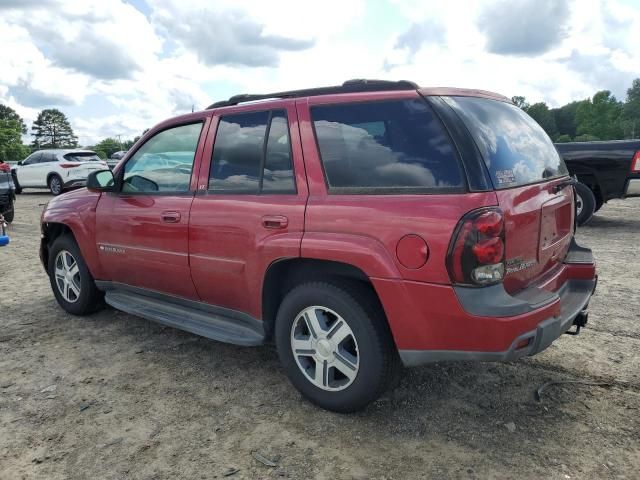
(192, 52)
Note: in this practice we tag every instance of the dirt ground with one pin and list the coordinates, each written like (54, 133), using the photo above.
(114, 396)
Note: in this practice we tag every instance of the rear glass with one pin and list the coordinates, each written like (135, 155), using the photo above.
(396, 145)
(516, 150)
(82, 157)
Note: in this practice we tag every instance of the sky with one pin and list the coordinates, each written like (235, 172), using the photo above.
(117, 67)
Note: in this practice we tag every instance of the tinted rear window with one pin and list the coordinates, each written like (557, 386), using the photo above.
(82, 157)
(252, 154)
(388, 145)
(516, 150)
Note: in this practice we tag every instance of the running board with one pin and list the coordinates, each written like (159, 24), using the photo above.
(211, 322)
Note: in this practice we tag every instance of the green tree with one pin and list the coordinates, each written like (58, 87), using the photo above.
(563, 138)
(630, 116)
(540, 113)
(8, 113)
(53, 130)
(566, 118)
(520, 102)
(11, 147)
(109, 146)
(600, 117)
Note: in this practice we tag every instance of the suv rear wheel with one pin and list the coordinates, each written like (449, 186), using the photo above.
(585, 203)
(55, 184)
(335, 345)
(71, 281)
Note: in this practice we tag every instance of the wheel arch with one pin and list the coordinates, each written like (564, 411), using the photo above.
(283, 275)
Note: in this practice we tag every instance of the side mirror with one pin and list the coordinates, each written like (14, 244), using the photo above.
(101, 181)
(19, 163)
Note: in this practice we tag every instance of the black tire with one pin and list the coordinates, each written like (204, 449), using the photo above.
(18, 189)
(90, 298)
(8, 212)
(379, 363)
(587, 200)
(599, 203)
(55, 185)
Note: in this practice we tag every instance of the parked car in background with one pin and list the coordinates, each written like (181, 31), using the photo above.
(115, 158)
(605, 170)
(361, 227)
(7, 194)
(56, 169)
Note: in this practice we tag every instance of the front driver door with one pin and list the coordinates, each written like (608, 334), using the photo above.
(26, 171)
(142, 230)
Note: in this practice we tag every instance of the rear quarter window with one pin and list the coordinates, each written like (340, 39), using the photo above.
(385, 146)
(515, 149)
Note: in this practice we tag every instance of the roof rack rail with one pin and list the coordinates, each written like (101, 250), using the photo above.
(350, 86)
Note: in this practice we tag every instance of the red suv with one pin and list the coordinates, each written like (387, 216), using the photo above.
(360, 227)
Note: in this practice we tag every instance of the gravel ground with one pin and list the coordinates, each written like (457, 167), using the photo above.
(114, 396)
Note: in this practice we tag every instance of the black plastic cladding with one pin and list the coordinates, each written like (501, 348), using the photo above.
(350, 86)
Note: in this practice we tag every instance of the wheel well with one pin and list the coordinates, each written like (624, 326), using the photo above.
(592, 182)
(51, 231)
(51, 174)
(284, 275)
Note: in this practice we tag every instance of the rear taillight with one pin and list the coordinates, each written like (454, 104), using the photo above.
(69, 165)
(635, 163)
(476, 253)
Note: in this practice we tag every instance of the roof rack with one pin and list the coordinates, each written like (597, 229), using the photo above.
(350, 86)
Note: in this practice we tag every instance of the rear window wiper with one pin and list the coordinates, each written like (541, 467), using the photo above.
(571, 181)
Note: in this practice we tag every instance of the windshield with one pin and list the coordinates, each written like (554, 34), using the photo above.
(82, 157)
(516, 150)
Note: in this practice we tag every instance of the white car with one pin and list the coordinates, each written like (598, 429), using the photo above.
(57, 170)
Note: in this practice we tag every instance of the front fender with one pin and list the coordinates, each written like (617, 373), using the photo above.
(77, 211)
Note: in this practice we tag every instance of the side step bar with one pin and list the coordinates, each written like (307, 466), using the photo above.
(208, 321)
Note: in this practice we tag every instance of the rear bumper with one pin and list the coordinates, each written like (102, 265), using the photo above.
(75, 183)
(574, 300)
(433, 323)
(633, 188)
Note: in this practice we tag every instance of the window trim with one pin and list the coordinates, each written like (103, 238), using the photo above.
(391, 190)
(120, 177)
(211, 191)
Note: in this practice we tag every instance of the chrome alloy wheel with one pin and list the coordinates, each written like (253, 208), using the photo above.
(67, 276)
(579, 205)
(325, 348)
(55, 185)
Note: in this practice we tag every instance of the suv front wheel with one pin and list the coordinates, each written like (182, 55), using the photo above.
(335, 345)
(71, 281)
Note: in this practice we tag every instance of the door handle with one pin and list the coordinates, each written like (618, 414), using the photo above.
(170, 217)
(275, 221)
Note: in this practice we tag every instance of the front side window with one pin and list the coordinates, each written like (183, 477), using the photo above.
(396, 145)
(33, 158)
(252, 154)
(164, 162)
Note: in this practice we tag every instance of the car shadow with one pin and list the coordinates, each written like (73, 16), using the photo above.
(601, 222)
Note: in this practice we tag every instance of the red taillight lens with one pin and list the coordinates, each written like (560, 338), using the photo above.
(489, 223)
(635, 163)
(69, 165)
(476, 253)
(489, 251)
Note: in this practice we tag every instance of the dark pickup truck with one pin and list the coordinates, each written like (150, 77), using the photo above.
(605, 170)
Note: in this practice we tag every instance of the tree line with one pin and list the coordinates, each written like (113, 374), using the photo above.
(601, 117)
(51, 129)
